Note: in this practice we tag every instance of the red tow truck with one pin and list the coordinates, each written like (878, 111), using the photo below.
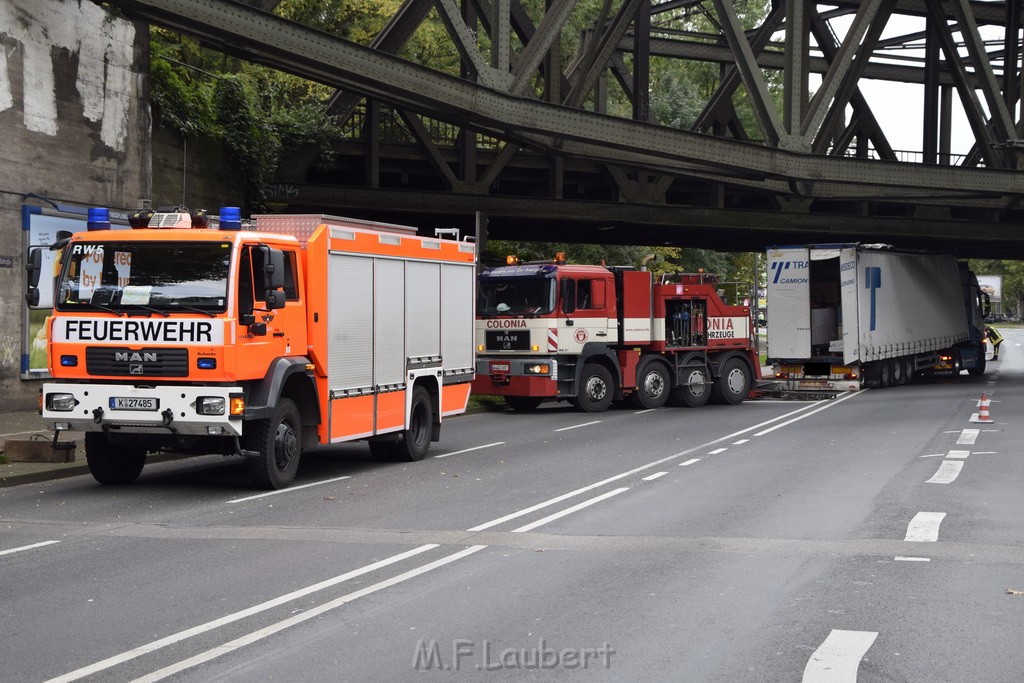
(592, 334)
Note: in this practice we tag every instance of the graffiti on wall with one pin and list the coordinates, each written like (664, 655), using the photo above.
(103, 45)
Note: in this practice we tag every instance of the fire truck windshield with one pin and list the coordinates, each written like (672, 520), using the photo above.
(128, 276)
(515, 296)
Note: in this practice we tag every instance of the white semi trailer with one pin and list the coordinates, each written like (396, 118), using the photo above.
(842, 316)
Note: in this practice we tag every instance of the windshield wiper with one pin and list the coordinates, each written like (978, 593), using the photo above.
(150, 309)
(193, 309)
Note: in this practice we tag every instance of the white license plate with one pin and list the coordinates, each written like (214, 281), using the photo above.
(499, 367)
(134, 403)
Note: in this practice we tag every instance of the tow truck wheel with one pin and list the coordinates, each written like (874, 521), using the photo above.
(595, 394)
(279, 444)
(695, 388)
(415, 441)
(114, 464)
(733, 384)
(523, 404)
(652, 386)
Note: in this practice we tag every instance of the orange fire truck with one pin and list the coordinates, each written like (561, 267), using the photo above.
(593, 334)
(257, 338)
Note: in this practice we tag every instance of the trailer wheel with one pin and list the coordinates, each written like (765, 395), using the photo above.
(652, 386)
(908, 369)
(694, 388)
(898, 378)
(113, 464)
(595, 394)
(884, 374)
(733, 384)
(278, 441)
(415, 441)
(523, 404)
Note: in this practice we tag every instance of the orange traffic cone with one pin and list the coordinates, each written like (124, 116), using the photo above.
(982, 414)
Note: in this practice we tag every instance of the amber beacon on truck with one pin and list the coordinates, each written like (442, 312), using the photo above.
(256, 338)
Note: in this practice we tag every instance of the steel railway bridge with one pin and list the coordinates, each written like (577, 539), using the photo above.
(525, 136)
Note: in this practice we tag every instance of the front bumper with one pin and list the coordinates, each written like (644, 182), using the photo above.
(509, 377)
(175, 411)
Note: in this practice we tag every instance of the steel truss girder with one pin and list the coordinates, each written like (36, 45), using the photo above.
(313, 54)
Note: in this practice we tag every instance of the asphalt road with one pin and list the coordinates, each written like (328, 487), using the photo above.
(766, 541)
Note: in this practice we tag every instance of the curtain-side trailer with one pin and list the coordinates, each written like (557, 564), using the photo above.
(842, 316)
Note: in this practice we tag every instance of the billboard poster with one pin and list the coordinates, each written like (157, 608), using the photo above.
(993, 286)
(42, 227)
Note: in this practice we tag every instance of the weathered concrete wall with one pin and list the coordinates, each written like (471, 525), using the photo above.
(74, 127)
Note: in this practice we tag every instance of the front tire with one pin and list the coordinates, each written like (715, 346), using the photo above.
(979, 368)
(113, 464)
(278, 441)
(595, 394)
(733, 384)
(652, 386)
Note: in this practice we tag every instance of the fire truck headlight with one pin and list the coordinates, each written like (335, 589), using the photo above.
(61, 403)
(537, 369)
(211, 405)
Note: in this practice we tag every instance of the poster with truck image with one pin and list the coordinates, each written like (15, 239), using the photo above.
(42, 227)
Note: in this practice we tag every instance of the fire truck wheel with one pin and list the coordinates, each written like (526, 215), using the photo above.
(279, 444)
(415, 440)
(733, 384)
(523, 404)
(595, 392)
(652, 386)
(694, 390)
(110, 463)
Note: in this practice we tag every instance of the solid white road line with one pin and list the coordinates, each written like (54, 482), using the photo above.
(828, 405)
(641, 412)
(924, 527)
(689, 462)
(838, 658)
(467, 450)
(900, 558)
(287, 490)
(255, 636)
(654, 476)
(27, 547)
(968, 437)
(585, 424)
(958, 454)
(635, 470)
(947, 473)
(230, 618)
(569, 511)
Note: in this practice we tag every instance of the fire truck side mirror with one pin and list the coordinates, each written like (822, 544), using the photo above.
(34, 268)
(274, 299)
(567, 291)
